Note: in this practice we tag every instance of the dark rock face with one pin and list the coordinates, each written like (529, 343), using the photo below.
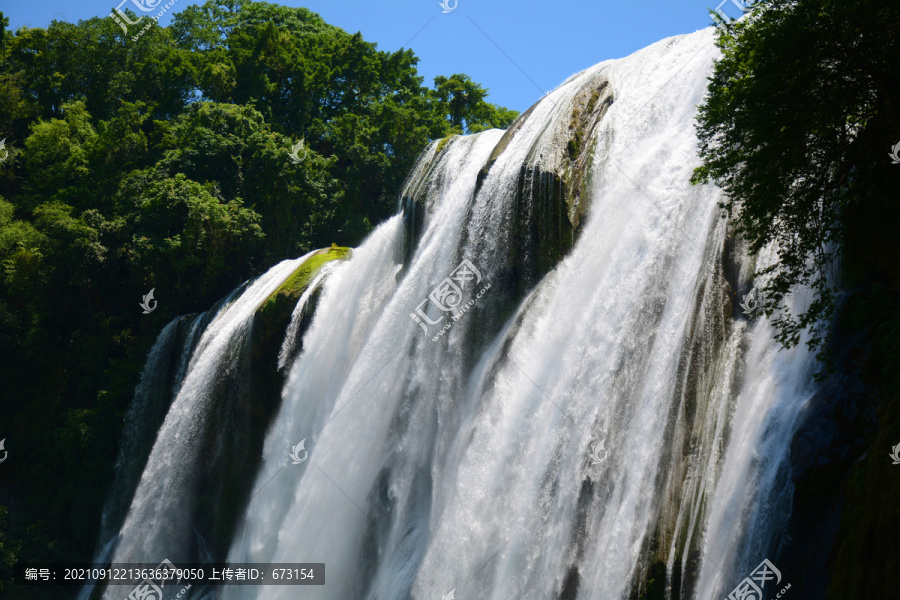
(551, 193)
(550, 196)
(822, 453)
(245, 401)
(841, 537)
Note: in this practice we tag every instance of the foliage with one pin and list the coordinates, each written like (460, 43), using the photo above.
(801, 113)
(161, 161)
(463, 101)
(285, 297)
(801, 116)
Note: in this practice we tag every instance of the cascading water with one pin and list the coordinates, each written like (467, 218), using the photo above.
(159, 523)
(588, 415)
(289, 346)
(163, 373)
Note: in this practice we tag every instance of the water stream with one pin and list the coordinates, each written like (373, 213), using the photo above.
(479, 424)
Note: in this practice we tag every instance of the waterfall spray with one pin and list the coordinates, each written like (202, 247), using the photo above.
(530, 383)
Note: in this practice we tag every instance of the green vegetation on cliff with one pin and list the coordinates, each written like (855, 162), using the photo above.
(800, 118)
(163, 162)
(802, 114)
(273, 312)
(297, 283)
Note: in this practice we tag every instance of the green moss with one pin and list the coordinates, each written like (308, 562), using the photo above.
(574, 145)
(592, 103)
(444, 141)
(589, 107)
(291, 290)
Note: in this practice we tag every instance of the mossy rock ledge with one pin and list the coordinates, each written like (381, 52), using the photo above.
(273, 314)
(245, 401)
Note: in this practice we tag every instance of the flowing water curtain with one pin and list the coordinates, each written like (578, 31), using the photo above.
(479, 418)
(159, 523)
(355, 335)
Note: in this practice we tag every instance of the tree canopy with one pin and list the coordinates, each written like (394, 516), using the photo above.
(800, 117)
(161, 160)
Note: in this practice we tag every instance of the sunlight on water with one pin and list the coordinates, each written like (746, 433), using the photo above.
(566, 436)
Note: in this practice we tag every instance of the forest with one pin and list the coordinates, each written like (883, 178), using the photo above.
(164, 163)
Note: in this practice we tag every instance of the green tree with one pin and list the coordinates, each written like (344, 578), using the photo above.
(800, 116)
(163, 161)
(186, 238)
(4, 23)
(56, 157)
(463, 102)
(366, 109)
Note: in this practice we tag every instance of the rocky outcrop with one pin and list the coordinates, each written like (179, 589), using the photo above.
(841, 535)
(551, 194)
(273, 315)
(552, 191)
(247, 398)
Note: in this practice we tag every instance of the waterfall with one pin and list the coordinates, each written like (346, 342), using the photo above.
(159, 524)
(289, 346)
(533, 382)
(753, 494)
(163, 372)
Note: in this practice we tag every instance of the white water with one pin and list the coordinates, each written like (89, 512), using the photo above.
(464, 463)
(165, 367)
(158, 524)
(289, 345)
(152, 380)
(753, 487)
(428, 474)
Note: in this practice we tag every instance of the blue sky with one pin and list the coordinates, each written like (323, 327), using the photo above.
(516, 48)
